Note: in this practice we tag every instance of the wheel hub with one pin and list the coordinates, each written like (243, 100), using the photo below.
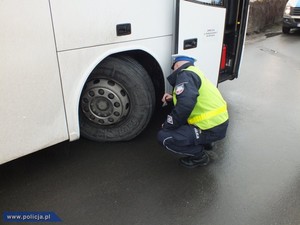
(101, 106)
(104, 102)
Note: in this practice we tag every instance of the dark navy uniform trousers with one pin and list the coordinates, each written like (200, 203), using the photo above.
(189, 140)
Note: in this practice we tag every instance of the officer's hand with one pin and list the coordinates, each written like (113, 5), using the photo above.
(167, 98)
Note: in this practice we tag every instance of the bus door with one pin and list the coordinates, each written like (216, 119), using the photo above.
(200, 30)
(213, 32)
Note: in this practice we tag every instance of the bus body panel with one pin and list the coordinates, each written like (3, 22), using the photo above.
(76, 65)
(205, 25)
(32, 108)
(85, 23)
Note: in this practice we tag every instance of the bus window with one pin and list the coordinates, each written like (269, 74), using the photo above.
(211, 2)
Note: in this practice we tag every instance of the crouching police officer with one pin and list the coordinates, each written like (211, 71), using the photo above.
(199, 116)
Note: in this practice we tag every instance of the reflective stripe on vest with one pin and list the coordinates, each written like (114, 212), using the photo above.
(208, 115)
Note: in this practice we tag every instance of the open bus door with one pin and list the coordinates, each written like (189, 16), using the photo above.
(213, 32)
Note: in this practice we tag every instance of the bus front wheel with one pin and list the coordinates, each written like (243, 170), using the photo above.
(117, 101)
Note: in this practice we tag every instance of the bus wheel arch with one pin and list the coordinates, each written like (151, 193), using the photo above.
(118, 98)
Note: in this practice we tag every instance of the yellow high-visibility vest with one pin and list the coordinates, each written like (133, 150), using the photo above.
(210, 109)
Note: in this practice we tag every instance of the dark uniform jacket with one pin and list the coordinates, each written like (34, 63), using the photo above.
(186, 85)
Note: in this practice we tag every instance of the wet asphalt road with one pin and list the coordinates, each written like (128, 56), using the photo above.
(254, 177)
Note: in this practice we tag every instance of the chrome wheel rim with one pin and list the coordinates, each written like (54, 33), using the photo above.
(105, 102)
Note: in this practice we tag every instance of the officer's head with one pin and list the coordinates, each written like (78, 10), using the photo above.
(179, 60)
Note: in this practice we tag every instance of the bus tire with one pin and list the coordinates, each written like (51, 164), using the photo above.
(117, 101)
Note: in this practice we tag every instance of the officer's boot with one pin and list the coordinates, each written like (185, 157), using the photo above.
(195, 161)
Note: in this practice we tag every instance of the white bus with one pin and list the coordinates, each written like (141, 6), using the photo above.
(97, 68)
